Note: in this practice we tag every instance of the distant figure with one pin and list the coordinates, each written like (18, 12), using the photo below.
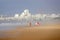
(37, 23)
(30, 24)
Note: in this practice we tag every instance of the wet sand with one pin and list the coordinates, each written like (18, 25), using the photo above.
(45, 32)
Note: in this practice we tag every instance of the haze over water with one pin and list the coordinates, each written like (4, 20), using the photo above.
(10, 25)
(10, 7)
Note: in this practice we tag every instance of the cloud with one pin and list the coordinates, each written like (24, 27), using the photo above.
(26, 15)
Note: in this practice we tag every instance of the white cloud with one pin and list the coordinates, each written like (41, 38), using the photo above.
(28, 16)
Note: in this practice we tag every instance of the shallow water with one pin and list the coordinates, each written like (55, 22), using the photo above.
(10, 25)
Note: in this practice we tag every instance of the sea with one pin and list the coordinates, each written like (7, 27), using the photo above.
(12, 24)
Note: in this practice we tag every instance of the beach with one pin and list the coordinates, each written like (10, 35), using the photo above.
(45, 32)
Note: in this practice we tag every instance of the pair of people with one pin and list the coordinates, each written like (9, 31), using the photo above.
(36, 24)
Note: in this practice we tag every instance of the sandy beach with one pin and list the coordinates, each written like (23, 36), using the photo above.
(46, 32)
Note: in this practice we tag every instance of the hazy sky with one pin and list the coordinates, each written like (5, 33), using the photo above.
(35, 6)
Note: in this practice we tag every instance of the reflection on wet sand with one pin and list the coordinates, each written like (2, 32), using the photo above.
(46, 32)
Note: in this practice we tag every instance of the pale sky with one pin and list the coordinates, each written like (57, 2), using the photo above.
(11, 7)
